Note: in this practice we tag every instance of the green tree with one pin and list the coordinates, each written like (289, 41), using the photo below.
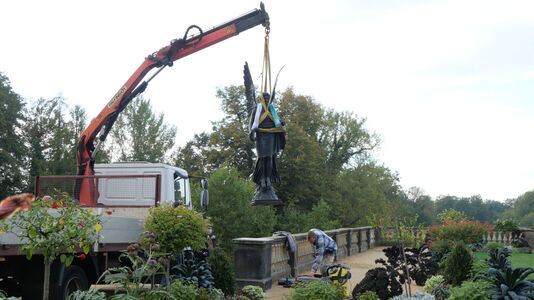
(424, 206)
(230, 211)
(345, 138)
(12, 147)
(141, 135)
(301, 168)
(524, 209)
(322, 217)
(292, 219)
(193, 155)
(366, 190)
(50, 138)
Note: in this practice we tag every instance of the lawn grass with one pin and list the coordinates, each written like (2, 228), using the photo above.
(523, 260)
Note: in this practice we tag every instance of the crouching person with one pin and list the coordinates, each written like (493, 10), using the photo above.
(325, 251)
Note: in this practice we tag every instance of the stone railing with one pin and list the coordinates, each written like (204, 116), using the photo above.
(262, 261)
(506, 238)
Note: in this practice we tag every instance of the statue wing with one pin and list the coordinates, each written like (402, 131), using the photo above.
(273, 92)
(250, 93)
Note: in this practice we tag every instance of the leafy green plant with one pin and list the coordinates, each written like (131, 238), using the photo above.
(498, 259)
(317, 290)
(470, 290)
(441, 291)
(222, 269)
(458, 264)
(253, 292)
(368, 295)
(479, 267)
(183, 290)
(379, 281)
(56, 227)
(432, 282)
(194, 271)
(142, 262)
(510, 283)
(90, 294)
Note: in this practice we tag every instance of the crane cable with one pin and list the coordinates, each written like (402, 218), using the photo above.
(268, 107)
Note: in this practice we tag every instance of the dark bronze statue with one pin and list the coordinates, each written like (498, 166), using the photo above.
(269, 134)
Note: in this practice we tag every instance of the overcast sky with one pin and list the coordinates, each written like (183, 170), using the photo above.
(448, 85)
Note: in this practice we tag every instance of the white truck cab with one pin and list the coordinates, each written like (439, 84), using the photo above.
(140, 191)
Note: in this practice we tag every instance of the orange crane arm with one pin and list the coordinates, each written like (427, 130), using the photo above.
(100, 126)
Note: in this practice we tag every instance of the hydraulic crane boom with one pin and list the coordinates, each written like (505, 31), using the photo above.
(100, 126)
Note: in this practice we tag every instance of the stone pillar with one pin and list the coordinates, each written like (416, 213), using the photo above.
(372, 237)
(349, 242)
(252, 262)
(359, 234)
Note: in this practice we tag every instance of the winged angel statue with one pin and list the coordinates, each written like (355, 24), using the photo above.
(268, 131)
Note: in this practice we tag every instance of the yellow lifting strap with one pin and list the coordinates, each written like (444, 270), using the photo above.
(266, 88)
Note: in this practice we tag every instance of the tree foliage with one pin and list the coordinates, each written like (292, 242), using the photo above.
(141, 135)
(12, 147)
(230, 211)
(52, 133)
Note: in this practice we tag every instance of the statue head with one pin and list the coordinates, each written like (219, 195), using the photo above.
(266, 96)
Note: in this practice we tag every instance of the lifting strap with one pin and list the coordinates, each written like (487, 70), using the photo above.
(268, 107)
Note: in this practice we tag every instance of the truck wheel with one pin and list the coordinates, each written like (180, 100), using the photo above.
(73, 280)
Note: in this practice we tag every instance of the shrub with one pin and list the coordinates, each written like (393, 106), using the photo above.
(222, 269)
(444, 236)
(378, 281)
(368, 295)
(317, 290)
(458, 264)
(177, 228)
(470, 290)
(508, 225)
(253, 292)
(423, 296)
(491, 246)
(183, 290)
(442, 291)
(433, 282)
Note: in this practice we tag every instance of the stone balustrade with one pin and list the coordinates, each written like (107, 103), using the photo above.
(262, 261)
